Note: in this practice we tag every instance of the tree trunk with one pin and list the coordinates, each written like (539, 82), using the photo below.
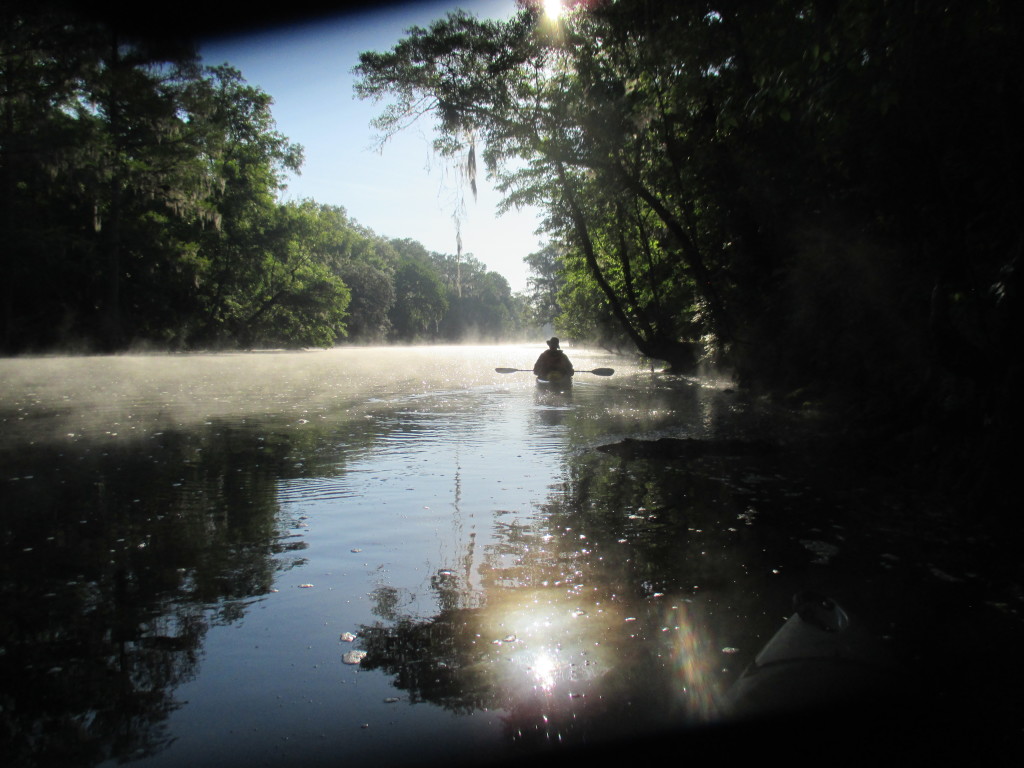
(682, 356)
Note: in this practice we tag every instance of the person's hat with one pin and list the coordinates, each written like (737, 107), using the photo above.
(553, 342)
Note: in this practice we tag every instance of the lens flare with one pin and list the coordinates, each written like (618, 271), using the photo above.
(694, 674)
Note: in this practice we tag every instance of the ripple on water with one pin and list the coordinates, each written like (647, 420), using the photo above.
(314, 489)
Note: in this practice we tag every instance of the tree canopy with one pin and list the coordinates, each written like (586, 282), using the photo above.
(140, 206)
(785, 186)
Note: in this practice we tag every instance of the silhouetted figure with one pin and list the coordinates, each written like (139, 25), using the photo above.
(553, 363)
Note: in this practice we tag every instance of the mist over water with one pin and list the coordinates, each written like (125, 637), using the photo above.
(341, 555)
(159, 390)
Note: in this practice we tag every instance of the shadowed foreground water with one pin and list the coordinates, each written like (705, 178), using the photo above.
(400, 555)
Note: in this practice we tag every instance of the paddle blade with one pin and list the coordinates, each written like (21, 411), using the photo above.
(601, 371)
(508, 370)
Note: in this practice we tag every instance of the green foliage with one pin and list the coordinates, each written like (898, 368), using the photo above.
(373, 296)
(480, 303)
(551, 109)
(800, 186)
(546, 280)
(420, 301)
(139, 203)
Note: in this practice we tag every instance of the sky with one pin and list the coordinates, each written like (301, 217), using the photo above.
(402, 190)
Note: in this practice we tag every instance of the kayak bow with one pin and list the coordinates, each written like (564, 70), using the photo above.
(818, 658)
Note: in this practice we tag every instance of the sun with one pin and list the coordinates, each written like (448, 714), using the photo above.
(553, 9)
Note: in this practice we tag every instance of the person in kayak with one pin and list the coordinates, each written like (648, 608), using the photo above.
(552, 362)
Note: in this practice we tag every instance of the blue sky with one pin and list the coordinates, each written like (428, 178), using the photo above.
(403, 191)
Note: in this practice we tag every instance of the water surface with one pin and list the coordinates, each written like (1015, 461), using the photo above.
(194, 546)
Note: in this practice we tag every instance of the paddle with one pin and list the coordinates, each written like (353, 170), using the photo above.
(596, 371)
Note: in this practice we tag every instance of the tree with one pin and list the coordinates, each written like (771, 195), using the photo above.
(373, 296)
(139, 199)
(480, 304)
(91, 151)
(420, 301)
(545, 281)
(555, 105)
(734, 175)
(241, 257)
(296, 301)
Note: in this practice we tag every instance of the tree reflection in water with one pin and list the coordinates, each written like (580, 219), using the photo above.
(596, 619)
(118, 557)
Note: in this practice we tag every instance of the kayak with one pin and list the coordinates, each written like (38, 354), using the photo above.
(818, 659)
(555, 380)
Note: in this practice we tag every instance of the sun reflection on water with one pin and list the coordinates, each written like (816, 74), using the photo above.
(544, 670)
(566, 659)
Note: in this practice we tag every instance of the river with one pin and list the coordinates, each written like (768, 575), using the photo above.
(400, 555)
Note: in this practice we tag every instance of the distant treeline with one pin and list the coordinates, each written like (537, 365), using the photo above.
(139, 207)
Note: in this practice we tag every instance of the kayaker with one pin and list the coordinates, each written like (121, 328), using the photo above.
(552, 361)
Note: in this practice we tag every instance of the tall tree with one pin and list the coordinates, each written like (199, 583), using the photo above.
(545, 281)
(558, 104)
(90, 147)
(420, 297)
(139, 195)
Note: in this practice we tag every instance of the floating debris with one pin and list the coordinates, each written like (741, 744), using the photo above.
(347, 637)
(392, 699)
(748, 515)
(730, 649)
(306, 586)
(356, 550)
(354, 657)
